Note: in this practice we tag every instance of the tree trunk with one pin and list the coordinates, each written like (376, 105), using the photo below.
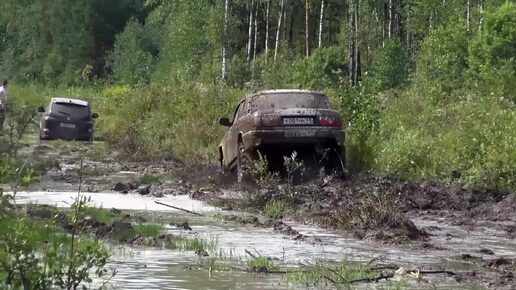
(358, 71)
(267, 29)
(278, 31)
(255, 34)
(468, 15)
(250, 35)
(225, 44)
(308, 29)
(391, 19)
(321, 23)
(354, 55)
(481, 20)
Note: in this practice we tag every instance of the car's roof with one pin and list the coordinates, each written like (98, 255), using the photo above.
(287, 91)
(282, 91)
(70, 101)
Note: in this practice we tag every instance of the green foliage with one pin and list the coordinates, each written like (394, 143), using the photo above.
(132, 62)
(325, 68)
(390, 69)
(492, 54)
(36, 255)
(443, 59)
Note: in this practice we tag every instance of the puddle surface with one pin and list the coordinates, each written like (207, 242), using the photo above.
(145, 268)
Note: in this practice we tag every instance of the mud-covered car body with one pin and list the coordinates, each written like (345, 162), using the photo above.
(279, 122)
(68, 119)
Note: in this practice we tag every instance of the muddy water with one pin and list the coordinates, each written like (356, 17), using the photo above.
(144, 268)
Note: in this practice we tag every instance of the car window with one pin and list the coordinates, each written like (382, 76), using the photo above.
(287, 101)
(235, 115)
(243, 109)
(72, 110)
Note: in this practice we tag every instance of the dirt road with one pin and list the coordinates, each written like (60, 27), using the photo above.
(470, 231)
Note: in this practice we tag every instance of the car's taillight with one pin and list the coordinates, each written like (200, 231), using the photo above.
(330, 121)
(270, 120)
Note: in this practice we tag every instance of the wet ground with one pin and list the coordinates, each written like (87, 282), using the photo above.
(470, 241)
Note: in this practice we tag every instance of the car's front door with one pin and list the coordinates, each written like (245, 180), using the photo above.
(230, 140)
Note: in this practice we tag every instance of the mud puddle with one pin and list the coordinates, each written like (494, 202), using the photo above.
(143, 268)
(150, 268)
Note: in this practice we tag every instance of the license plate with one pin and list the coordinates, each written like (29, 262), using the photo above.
(298, 121)
(66, 125)
(300, 133)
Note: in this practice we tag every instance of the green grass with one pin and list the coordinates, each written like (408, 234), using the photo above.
(341, 273)
(155, 179)
(276, 208)
(193, 244)
(150, 229)
(102, 215)
(150, 179)
(261, 264)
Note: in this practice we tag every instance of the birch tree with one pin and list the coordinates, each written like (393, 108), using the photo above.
(308, 29)
(250, 34)
(321, 24)
(278, 31)
(267, 28)
(225, 43)
(255, 34)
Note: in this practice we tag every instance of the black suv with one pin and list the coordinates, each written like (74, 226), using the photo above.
(67, 119)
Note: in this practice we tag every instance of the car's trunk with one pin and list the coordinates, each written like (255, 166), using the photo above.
(298, 116)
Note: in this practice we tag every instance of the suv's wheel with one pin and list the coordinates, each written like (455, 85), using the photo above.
(242, 169)
(336, 161)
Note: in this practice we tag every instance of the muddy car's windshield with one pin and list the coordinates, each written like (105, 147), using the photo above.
(72, 110)
(287, 101)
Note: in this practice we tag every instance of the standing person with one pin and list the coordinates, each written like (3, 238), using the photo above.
(3, 103)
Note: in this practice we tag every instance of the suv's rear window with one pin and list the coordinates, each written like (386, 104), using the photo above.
(287, 101)
(72, 110)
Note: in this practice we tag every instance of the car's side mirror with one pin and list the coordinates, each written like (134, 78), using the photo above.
(94, 115)
(41, 110)
(225, 122)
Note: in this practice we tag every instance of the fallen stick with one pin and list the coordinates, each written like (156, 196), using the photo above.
(178, 208)
(250, 254)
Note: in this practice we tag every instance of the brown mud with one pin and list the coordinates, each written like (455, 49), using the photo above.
(384, 210)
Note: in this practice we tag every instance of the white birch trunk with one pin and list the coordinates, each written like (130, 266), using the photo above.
(250, 36)
(267, 29)
(224, 47)
(481, 20)
(255, 33)
(278, 31)
(321, 23)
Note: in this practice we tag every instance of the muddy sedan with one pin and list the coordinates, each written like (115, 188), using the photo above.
(68, 119)
(278, 123)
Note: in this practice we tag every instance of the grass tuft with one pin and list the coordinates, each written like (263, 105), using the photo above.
(150, 229)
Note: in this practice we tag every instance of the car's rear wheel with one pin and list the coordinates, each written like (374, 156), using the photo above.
(242, 169)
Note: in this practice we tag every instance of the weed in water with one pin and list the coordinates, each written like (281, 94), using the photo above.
(196, 244)
(102, 215)
(276, 209)
(338, 273)
(261, 265)
(150, 229)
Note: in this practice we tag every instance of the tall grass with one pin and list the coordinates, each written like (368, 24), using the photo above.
(150, 229)
(469, 138)
(462, 137)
